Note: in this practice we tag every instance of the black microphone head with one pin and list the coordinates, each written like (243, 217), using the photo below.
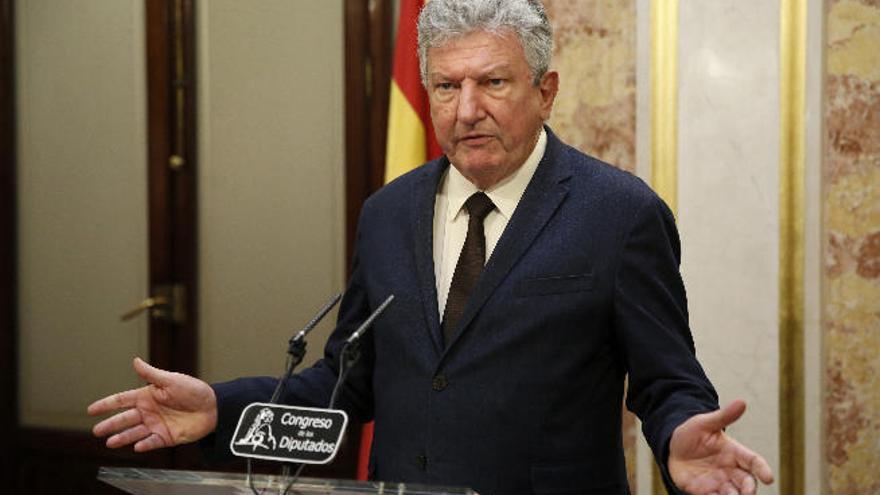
(369, 321)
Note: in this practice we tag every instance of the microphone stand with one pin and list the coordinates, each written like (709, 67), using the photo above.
(296, 351)
(351, 352)
(296, 347)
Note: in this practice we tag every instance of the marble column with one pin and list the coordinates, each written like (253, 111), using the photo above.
(851, 281)
(728, 203)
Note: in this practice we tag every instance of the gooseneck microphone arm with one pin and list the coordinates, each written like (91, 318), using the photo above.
(296, 347)
(299, 337)
(351, 350)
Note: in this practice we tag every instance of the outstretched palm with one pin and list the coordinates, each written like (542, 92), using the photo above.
(173, 409)
(705, 460)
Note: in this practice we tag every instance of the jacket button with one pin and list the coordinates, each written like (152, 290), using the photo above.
(439, 383)
(422, 461)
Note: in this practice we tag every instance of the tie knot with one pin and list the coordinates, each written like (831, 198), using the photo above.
(479, 205)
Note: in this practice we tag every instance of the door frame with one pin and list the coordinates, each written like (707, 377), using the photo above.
(8, 240)
(172, 168)
(368, 58)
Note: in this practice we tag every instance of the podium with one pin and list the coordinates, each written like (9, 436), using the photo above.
(171, 482)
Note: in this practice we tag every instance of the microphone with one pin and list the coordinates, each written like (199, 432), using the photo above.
(296, 347)
(299, 337)
(351, 350)
(369, 321)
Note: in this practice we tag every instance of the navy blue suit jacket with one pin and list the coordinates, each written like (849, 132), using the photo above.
(582, 289)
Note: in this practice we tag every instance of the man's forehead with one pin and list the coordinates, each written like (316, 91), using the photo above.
(479, 52)
(502, 35)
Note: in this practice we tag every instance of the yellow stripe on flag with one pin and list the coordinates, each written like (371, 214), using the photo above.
(406, 137)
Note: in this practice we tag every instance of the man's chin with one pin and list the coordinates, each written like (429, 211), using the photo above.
(482, 174)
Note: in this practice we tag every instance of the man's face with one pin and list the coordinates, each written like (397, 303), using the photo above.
(487, 113)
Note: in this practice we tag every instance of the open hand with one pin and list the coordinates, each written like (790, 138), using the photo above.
(705, 460)
(172, 409)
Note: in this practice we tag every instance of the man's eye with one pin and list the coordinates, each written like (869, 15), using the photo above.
(444, 86)
(496, 83)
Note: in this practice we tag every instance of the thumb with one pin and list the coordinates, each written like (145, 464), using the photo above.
(150, 373)
(724, 417)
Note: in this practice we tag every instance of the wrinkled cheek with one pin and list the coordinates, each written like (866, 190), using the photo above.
(444, 136)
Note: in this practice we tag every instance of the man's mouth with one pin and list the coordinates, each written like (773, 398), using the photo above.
(475, 139)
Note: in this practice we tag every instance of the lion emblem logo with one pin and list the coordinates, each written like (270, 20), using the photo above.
(260, 432)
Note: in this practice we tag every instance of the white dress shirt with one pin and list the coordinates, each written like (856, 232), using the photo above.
(451, 218)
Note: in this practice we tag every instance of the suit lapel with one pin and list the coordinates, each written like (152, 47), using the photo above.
(424, 196)
(542, 197)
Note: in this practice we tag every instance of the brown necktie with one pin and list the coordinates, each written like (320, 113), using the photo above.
(470, 263)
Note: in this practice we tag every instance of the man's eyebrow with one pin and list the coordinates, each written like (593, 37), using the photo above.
(499, 66)
(434, 76)
(496, 67)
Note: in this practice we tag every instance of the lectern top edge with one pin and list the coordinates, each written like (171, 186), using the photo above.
(138, 481)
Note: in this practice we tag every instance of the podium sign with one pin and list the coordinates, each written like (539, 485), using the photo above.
(288, 433)
(171, 482)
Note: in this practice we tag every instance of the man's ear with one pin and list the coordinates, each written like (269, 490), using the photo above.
(548, 86)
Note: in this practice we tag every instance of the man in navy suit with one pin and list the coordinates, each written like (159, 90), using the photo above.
(504, 374)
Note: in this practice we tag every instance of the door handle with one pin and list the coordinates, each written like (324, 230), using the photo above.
(146, 304)
(167, 303)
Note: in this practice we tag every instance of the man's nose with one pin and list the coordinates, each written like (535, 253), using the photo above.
(470, 104)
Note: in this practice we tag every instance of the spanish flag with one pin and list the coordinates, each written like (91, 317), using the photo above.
(411, 140)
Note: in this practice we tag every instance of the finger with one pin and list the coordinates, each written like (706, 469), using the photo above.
(745, 482)
(128, 436)
(118, 422)
(151, 374)
(152, 442)
(708, 483)
(113, 402)
(755, 464)
(728, 489)
(722, 418)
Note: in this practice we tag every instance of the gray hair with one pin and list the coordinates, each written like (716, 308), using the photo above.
(442, 20)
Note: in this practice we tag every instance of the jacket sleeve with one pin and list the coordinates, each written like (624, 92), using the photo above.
(666, 384)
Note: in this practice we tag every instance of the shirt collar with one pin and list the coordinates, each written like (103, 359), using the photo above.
(506, 194)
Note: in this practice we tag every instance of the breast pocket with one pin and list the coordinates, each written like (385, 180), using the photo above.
(545, 286)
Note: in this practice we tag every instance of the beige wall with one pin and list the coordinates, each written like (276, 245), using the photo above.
(82, 203)
(271, 206)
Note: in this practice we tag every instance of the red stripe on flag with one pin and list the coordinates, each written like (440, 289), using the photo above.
(406, 70)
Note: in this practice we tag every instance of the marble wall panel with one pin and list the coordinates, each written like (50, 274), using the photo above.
(728, 203)
(851, 296)
(596, 107)
(595, 57)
